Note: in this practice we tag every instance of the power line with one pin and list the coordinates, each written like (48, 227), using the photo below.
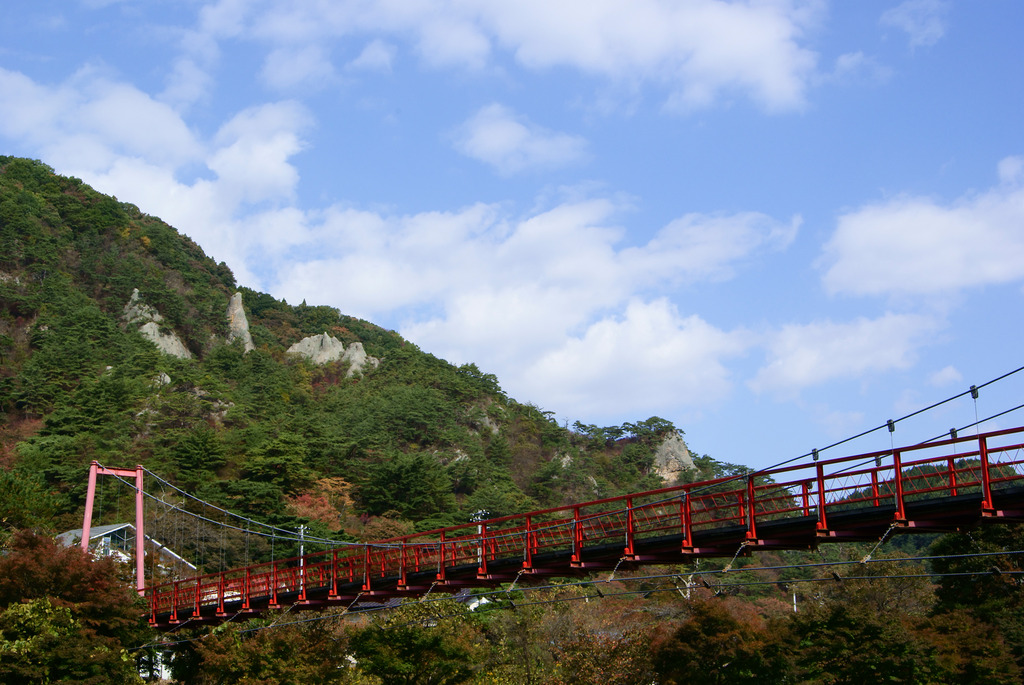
(541, 528)
(605, 595)
(286, 534)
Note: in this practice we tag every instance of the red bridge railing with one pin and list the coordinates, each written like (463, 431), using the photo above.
(975, 470)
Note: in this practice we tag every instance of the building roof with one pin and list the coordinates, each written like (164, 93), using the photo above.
(73, 537)
(70, 538)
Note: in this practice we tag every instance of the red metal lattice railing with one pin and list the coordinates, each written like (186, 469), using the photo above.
(978, 465)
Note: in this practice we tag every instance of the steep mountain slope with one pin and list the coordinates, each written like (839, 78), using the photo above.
(379, 438)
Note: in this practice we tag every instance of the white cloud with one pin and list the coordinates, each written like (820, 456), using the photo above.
(91, 121)
(548, 301)
(29, 111)
(945, 376)
(1011, 171)
(698, 51)
(254, 147)
(126, 119)
(804, 355)
(376, 56)
(838, 424)
(379, 263)
(648, 358)
(187, 84)
(511, 144)
(226, 17)
(924, 21)
(453, 41)
(290, 67)
(100, 4)
(703, 246)
(856, 67)
(102, 131)
(915, 245)
(565, 262)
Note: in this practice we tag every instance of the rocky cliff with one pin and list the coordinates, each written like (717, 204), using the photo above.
(148, 320)
(323, 349)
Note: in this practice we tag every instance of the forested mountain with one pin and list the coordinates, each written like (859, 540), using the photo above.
(121, 341)
(415, 440)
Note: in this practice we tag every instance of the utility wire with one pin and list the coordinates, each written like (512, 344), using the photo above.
(285, 533)
(244, 519)
(601, 595)
(542, 528)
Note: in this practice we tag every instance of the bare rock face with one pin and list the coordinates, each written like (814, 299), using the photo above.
(672, 458)
(238, 324)
(137, 311)
(324, 349)
(319, 349)
(358, 360)
(148, 319)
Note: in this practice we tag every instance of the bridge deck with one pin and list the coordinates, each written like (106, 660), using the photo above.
(942, 486)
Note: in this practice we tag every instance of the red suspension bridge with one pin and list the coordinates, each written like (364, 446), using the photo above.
(939, 486)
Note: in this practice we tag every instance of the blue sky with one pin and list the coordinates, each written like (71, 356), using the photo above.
(775, 223)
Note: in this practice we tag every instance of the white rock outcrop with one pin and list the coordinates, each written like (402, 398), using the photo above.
(137, 312)
(238, 324)
(324, 349)
(319, 349)
(358, 360)
(672, 458)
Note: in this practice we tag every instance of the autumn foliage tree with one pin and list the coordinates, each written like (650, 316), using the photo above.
(269, 650)
(65, 615)
(713, 646)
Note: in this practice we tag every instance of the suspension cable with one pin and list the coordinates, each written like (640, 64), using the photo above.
(605, 594)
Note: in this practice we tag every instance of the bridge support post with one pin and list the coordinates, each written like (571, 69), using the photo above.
(822, 520)
(247, 590)
(630, 524)
(220, 596)
(481, 555)
(402, 579)
(333, 592)
(90, 496)
(440, 560)
(140, 533)
(577, 537)
(897, 466)
(528, 544)
(366, 567)
(986, 477)
(274, 604)
(686, 518)
(751, 525)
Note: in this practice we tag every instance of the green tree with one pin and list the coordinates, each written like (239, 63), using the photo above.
(848, 645)
(969, 651)
(415, 485)
(257, 652)
(419, 644)
(987, 586)
(282, 462)
(712, 646)
(200, 451)
(25, 502)
(42, 643)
